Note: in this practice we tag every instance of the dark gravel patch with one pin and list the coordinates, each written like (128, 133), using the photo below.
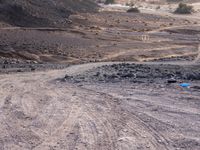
(184, 31)
(139, 73)
(29, 67)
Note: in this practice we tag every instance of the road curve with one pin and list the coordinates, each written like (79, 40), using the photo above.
(41, 113)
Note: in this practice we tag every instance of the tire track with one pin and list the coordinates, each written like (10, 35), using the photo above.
(139, 123)
(43, 113)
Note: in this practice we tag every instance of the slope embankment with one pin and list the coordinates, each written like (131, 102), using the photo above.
(36, 13)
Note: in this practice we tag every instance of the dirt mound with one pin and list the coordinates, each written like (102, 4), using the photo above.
(140, 73)
(42, 12)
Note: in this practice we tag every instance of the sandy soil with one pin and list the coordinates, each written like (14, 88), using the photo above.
(39, 111)
(43, 110)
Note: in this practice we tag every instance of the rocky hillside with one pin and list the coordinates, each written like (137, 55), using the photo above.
(42, 12)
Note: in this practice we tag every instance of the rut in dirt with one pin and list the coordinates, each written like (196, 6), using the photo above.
(198, 55)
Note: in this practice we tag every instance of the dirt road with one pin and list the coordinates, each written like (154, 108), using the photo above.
(42, 113)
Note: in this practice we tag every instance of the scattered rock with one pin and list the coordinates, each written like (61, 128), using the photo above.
(196, 87)
(172, 80)
(140, 73)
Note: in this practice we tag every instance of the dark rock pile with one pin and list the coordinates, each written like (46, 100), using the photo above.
(139, 73)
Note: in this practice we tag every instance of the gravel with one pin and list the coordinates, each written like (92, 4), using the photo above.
(139, 73)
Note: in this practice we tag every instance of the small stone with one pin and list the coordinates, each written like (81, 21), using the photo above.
(172, 80)
(125, 130)
(147, 146)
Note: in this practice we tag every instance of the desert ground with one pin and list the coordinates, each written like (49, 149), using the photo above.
(110, 80)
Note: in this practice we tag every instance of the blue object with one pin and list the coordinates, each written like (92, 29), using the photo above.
(185, 84)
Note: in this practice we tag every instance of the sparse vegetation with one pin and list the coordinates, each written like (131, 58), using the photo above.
(184, 9)
(158, 7)
(109, 2)
(130, 3)
(133, 10)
